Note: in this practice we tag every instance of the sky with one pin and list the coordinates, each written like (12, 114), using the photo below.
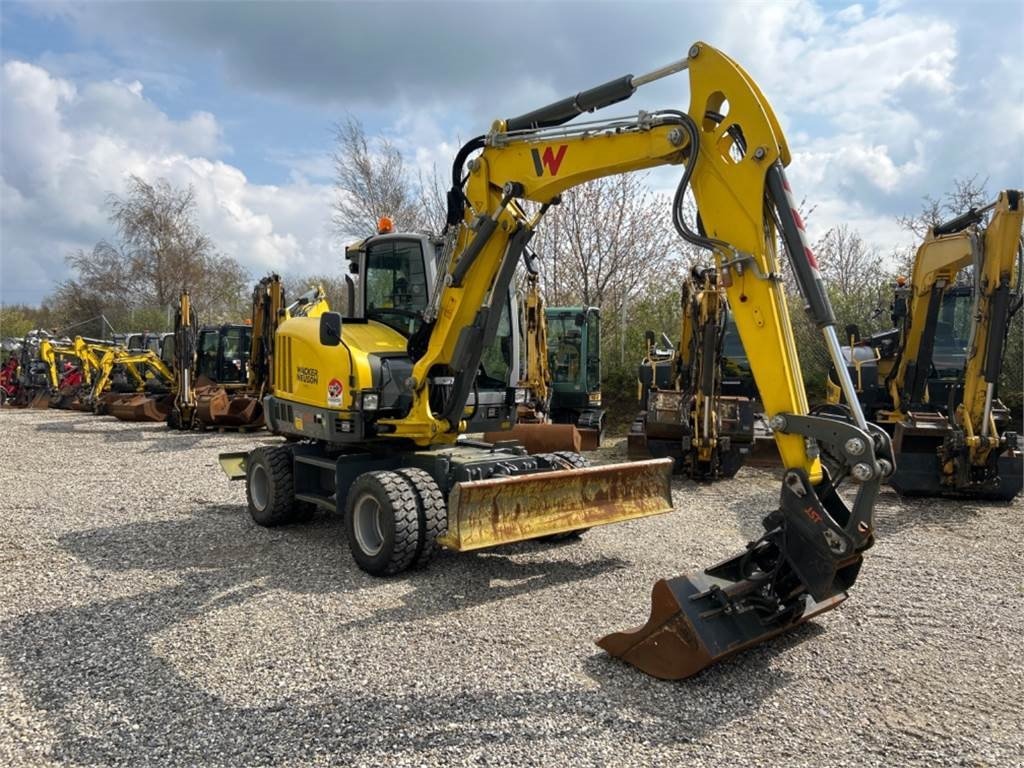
(882, 103)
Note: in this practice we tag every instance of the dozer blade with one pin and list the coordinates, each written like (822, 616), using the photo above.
(689, 630)
(540, 438)
(485, 513)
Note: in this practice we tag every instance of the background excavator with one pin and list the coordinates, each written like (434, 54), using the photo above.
(222, 373)
(686, 415)
(932, 381)
(561, 379)
(380, 398)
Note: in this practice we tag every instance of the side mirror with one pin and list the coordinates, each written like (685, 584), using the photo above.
(580, 320)
(853, 332)
(330, 329)
(649, 338)
(353, 267)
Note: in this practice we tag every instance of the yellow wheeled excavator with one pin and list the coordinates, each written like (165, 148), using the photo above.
(685, 414)
(381, 398)
(932, 380)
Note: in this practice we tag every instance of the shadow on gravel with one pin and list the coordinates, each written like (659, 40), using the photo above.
(92, 673)
(895, 514)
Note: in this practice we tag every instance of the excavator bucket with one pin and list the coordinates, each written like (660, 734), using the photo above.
(141, 407)
(590, 439)
(40, 401)
(216, 408)
(693, 625)
(541, 438)
(485, 513)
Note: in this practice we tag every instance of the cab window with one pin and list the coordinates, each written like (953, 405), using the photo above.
(396, 284)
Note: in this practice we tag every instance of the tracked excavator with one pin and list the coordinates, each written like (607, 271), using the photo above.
(686, 415)
(932, 381)
(223, 372)
(536, 427)
(380, 405)
(145, 377)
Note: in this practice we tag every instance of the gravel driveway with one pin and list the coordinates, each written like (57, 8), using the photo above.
(144, 619)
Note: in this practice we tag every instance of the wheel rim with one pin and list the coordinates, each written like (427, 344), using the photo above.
(367, 522)
(259, 487)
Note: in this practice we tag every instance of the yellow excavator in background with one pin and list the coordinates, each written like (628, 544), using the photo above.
(145, 374)
(222, 373)
(685, 414)
(534, 428)
(932, 380)
(380, 399)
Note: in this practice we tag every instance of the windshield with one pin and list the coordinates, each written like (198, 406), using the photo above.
(496, 361)
(734, 357)
(565, 338)
(396, 284)
(951, 332)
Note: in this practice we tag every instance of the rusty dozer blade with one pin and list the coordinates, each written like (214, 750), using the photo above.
(540, 438)
(485, 513)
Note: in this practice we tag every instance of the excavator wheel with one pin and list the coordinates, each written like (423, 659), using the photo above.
(433, 513)
(382, 522)
(565, 460)
(269, 487)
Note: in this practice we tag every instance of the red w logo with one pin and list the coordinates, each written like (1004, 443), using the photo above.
(550, 159)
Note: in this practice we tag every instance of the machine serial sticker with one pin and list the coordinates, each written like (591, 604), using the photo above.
(307, 375)
(334, 393)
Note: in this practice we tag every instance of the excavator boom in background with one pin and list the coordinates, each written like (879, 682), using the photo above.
(685, 413)
(561, 379)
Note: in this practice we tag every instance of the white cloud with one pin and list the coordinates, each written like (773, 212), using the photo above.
(66, 146)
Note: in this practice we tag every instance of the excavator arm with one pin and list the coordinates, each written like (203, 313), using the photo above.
(997, 289)
(733, 154)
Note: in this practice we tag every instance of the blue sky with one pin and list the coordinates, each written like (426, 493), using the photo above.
(882, 103)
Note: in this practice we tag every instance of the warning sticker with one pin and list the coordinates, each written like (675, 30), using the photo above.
(334, 393)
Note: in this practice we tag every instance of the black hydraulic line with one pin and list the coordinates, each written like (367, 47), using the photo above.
(456, 198)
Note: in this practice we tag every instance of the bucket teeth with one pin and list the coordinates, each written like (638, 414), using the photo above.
(697, 621)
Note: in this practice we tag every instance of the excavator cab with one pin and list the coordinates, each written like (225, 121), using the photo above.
(574, 357)
(397, 273)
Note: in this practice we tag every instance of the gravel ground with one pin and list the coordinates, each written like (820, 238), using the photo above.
(144, 619)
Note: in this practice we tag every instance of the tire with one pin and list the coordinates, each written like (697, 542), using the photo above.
(573, 459)
(566, 460)
(382, 522)
(269, 487)
(433, 513)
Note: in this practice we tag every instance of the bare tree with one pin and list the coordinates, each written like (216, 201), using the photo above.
(605, 240)
(965, 194)
(160, 251)
(370, 181)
